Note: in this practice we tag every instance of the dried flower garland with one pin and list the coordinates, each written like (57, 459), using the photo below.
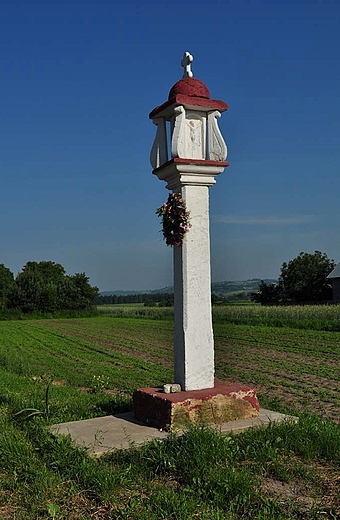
(175, 219)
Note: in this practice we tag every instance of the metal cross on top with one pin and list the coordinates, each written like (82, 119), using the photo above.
(186, 64)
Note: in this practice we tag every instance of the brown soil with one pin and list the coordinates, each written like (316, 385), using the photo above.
(321, 494)
(303, 381)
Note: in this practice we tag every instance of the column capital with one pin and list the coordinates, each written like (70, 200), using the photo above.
(189, 172)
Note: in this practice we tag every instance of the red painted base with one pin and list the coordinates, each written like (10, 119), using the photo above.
(223, 403)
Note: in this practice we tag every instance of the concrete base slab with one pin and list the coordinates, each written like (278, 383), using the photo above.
(113, 432)
(214, 406)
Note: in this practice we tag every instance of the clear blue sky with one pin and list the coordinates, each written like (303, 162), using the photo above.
(78, 80)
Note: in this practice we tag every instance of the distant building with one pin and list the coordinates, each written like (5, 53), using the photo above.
(334, 278)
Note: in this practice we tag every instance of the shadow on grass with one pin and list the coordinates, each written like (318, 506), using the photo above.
(120, 404)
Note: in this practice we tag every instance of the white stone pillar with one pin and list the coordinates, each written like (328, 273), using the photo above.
(196, 154)
(193, 336)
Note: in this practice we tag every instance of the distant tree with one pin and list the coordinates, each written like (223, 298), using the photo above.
(160, 298)
(45, 287)
(242, 296)
(30, 293)
(150, 303)
(302, 280)
(85, 294)
(268, 294)
(67, 294)
(215, 298)
(47, 270)
(168, 302)
(6, 284)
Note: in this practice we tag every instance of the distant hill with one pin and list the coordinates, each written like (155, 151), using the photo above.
(220, 288)
(247, 286)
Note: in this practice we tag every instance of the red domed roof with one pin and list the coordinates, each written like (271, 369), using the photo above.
(188, 92)
(191, 87)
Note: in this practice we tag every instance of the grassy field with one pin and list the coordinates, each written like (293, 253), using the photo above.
(91, 367)
(312, 317)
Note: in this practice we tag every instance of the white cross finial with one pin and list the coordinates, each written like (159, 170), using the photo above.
(186, 64)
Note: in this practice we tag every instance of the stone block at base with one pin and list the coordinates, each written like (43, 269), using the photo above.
(223, 403)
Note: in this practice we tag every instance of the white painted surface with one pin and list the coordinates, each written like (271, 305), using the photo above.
(186, 63)
(189, 134)
(159, 150)
(194, 135)
(217, 147)
(177, 175)
(193, 337)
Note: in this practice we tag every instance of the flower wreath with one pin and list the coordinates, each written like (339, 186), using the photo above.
(175, 219)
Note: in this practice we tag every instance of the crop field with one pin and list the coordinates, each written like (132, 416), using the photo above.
(314, 317)
(298, 368)
(91, 366)
(80, 357)
(295, 368)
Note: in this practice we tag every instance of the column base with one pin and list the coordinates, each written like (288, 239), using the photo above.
(213, 406)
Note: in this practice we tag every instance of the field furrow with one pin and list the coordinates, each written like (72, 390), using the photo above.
(131, 353)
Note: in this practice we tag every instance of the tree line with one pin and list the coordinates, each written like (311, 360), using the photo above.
(163, 299)
(302, 280)
(45, 287)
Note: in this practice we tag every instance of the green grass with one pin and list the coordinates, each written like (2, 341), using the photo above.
(288, 471)
(136, 311)
(201, 474)
(106, 307)
(311, 317)
(30, 351)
